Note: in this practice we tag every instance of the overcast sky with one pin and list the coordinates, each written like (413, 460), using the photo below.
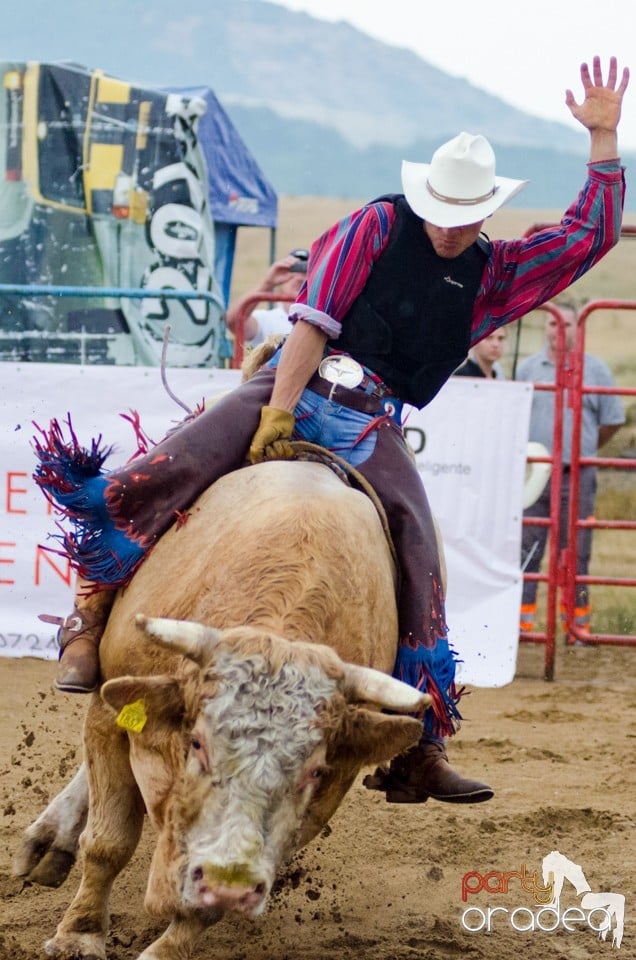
(526, 53)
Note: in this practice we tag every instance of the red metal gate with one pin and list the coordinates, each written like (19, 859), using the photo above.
(561, 573)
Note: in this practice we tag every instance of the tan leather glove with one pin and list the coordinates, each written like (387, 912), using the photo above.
(275, 430)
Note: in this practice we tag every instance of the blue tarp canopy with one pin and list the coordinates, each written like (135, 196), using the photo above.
(239, 193)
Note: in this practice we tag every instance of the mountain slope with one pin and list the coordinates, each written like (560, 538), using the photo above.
(326, 109)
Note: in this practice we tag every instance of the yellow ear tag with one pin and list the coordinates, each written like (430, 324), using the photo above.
(133, 716)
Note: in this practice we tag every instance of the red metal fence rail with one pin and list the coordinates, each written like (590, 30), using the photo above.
(561, 565)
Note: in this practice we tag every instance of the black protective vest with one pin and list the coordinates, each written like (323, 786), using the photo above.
(411, 324)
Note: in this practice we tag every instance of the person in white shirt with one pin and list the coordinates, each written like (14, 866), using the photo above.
(286, 276)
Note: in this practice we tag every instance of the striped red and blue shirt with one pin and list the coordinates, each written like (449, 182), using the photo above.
(519, 276)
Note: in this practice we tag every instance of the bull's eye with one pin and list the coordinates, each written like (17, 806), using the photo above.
(313, 776)
(199, 751)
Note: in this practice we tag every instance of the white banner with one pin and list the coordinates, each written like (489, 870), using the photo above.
(473, 468)
(471, 444)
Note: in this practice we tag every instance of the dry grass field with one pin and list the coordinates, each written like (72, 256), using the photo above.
(611, 334)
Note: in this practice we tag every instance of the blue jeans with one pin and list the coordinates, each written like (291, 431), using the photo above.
(338, 428)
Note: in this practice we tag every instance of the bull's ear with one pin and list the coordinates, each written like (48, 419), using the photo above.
(146, 698)
(376, 737)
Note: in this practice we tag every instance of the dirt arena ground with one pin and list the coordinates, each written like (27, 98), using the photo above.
(385, 882)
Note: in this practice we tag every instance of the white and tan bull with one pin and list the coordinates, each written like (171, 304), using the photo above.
(249, 703)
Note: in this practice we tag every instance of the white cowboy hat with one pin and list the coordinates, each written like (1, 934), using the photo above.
(458, 186)
(537, 474)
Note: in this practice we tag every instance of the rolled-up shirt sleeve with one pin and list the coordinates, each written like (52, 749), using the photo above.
(523, 274)
(339, 265)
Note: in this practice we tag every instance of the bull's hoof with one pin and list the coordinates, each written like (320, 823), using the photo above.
(53, 868)
(39, 862)
(79, 947)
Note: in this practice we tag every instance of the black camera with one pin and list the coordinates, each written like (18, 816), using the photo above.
(302, 256)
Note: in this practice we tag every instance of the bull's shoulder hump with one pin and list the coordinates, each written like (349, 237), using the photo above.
(295, 479)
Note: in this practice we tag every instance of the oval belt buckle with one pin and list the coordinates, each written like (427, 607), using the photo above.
(342, 371)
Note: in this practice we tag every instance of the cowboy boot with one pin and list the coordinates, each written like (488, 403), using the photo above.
(78, 639)
(423, 772)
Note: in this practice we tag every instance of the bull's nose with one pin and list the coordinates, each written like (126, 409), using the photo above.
(228, 888)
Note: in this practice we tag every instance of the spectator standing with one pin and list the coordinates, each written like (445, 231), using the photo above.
(483, 359)
(287, 277)
(602, 415)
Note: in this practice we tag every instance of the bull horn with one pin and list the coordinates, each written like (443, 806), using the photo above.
(364, 683)
(186, 637)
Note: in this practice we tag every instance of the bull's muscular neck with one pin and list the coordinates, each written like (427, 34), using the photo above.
(286, 547)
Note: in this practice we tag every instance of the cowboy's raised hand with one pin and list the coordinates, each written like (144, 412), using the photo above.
(601, 106)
